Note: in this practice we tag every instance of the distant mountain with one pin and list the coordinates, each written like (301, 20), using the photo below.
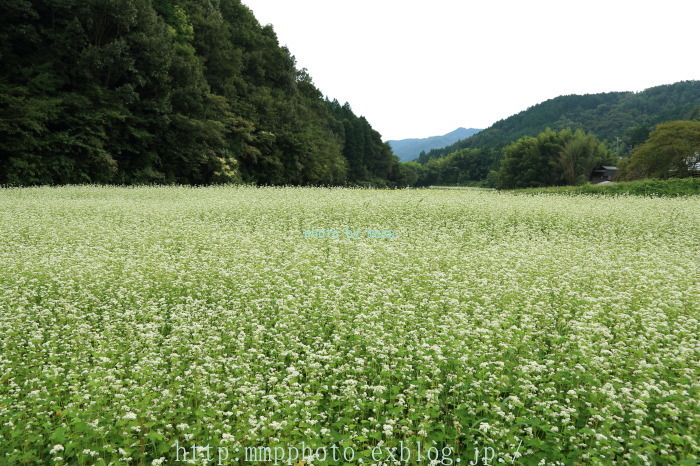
(410, 149)
(612, 115)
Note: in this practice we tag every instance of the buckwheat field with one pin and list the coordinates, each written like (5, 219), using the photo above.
(177, 325)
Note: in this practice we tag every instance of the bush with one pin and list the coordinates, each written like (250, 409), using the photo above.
(673, 187)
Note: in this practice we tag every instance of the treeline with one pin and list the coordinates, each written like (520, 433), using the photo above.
(369, 160)
(168, 91)
(672, 187)
(626, 116)
(462, 167)
(560, 142)
(566, 158)
(550, 159)
(671, 151)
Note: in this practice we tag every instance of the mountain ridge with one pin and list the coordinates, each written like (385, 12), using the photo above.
(411, 148)
(623, 117)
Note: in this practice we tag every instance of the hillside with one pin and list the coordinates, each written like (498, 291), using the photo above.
(409, 149)
(612, 115)
(168, 91)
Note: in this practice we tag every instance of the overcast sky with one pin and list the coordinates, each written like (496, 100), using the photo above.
(424, 68)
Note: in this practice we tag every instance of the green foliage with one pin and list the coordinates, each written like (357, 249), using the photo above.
(370, 161)
(608, 115)
(551, 159)
(694, 114)
(409, 173)
(672, 150)
(673, 187)
(130, 104)
(580, 154)
(463, 167)
(166, 91)
(136, 320)
(637, 135)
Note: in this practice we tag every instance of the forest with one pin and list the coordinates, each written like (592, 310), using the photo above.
(169, 91)
(559, 142)
(198, 92)
(626, 116)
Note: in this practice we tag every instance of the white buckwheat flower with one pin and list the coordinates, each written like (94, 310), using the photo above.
(56, 449)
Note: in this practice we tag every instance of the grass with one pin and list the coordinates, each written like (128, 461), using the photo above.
(672, 187)
(136, 323)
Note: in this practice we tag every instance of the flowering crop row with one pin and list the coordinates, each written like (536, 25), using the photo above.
(538, 329)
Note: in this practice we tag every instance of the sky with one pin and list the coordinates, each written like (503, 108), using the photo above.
(416, 69)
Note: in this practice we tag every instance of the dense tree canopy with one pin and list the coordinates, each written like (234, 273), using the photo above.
(185, 91)
(672, 150)
(621, 118)
(198, 92)
(551, 158)
(463, 167)
(369, 159)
